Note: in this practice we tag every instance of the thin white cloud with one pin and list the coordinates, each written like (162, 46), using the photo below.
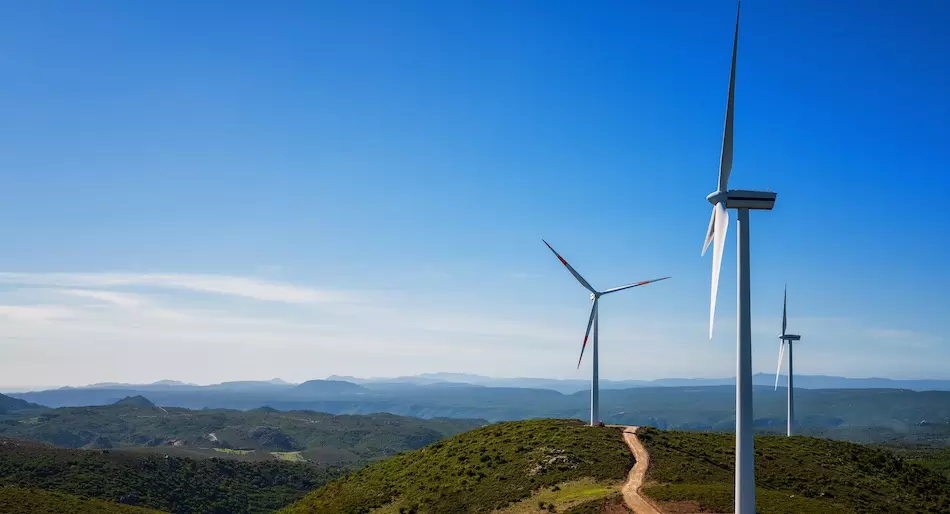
(113, 297)
(35, 313)
(218, 284)
(53, 320)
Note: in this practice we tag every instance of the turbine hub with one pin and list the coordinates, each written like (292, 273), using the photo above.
(593, 296)
(716, 197)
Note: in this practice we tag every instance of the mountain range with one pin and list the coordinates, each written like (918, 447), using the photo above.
(564, 386)
(873, 414)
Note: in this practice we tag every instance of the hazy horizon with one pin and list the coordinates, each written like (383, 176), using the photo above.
(18, 388)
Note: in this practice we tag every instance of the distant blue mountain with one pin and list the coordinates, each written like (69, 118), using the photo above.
(570, 386)
(323, 387)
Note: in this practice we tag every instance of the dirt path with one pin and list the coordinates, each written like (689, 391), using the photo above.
(631, 490)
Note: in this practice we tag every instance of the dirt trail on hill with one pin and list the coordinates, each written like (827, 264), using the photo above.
(631, 490)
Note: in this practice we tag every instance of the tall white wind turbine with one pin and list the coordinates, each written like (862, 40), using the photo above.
(787, 339)
(592, 323)
(742, 201)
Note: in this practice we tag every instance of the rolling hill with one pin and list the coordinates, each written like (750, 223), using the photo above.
(29, 500)
(9, 404)
(862, 415)
(160, 482)
(564, 466)
(260, 434)
(505, 466)
(695, 471)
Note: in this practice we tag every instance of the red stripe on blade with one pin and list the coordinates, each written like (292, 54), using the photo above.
(583, 347)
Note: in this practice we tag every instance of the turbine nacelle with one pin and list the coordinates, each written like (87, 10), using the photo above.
(743, 199)
(746, 199)
(790, 337)
(594, 296)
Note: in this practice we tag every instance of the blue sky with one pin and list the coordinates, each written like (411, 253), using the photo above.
(232, 190)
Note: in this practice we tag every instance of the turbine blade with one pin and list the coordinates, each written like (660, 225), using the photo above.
(569, 268)
(710, 231)
(722, 225)
(781, 353)
(785, 310)
(636, 284)
(587, 334)
(725, 158)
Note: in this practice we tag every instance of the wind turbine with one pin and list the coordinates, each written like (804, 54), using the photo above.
(592, 323)
(742, 201)
(787, 338)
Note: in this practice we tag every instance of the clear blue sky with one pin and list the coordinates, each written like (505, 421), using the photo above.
(388, 169)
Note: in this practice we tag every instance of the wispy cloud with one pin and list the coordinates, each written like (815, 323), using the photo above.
(50, 321)
(36, 312)
(218, 284)
(113, 297)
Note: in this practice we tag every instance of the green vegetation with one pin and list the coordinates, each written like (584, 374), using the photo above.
(167, 483)
(24, 500)
(585, 493)
(612, 503)
(719, 498)
(479, 471)
(232, 451)
(793, 475)
(934, 459)
(318, 437)
(289, 456)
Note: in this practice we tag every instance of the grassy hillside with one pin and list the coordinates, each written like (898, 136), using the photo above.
(483, 470)
(934, 459)
(166, 483)
(323, 438)
(24, 500)
(793, 475)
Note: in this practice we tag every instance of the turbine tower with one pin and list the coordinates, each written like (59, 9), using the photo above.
(787, 339)
(742, 201)
(592, 323)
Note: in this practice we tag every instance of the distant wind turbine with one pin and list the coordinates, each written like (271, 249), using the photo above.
(592, 323)
(742, 201)
(787, 339)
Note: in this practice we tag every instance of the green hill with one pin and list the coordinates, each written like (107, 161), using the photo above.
(793, 475)
(255, 435)
(507, 465)
(161, 482)
(24, 500)
(8, 404)
(136, 401)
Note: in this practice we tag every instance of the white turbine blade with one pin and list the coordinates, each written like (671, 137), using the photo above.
(781, 353)
(636, 284)
(710, 231)
(590, 322)
(725, 159)
(722, 225)
(785, 311)
(569, 268)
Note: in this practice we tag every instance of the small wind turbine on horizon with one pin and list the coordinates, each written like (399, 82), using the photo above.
(742, 201)
(787, 339)
(592, 322)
